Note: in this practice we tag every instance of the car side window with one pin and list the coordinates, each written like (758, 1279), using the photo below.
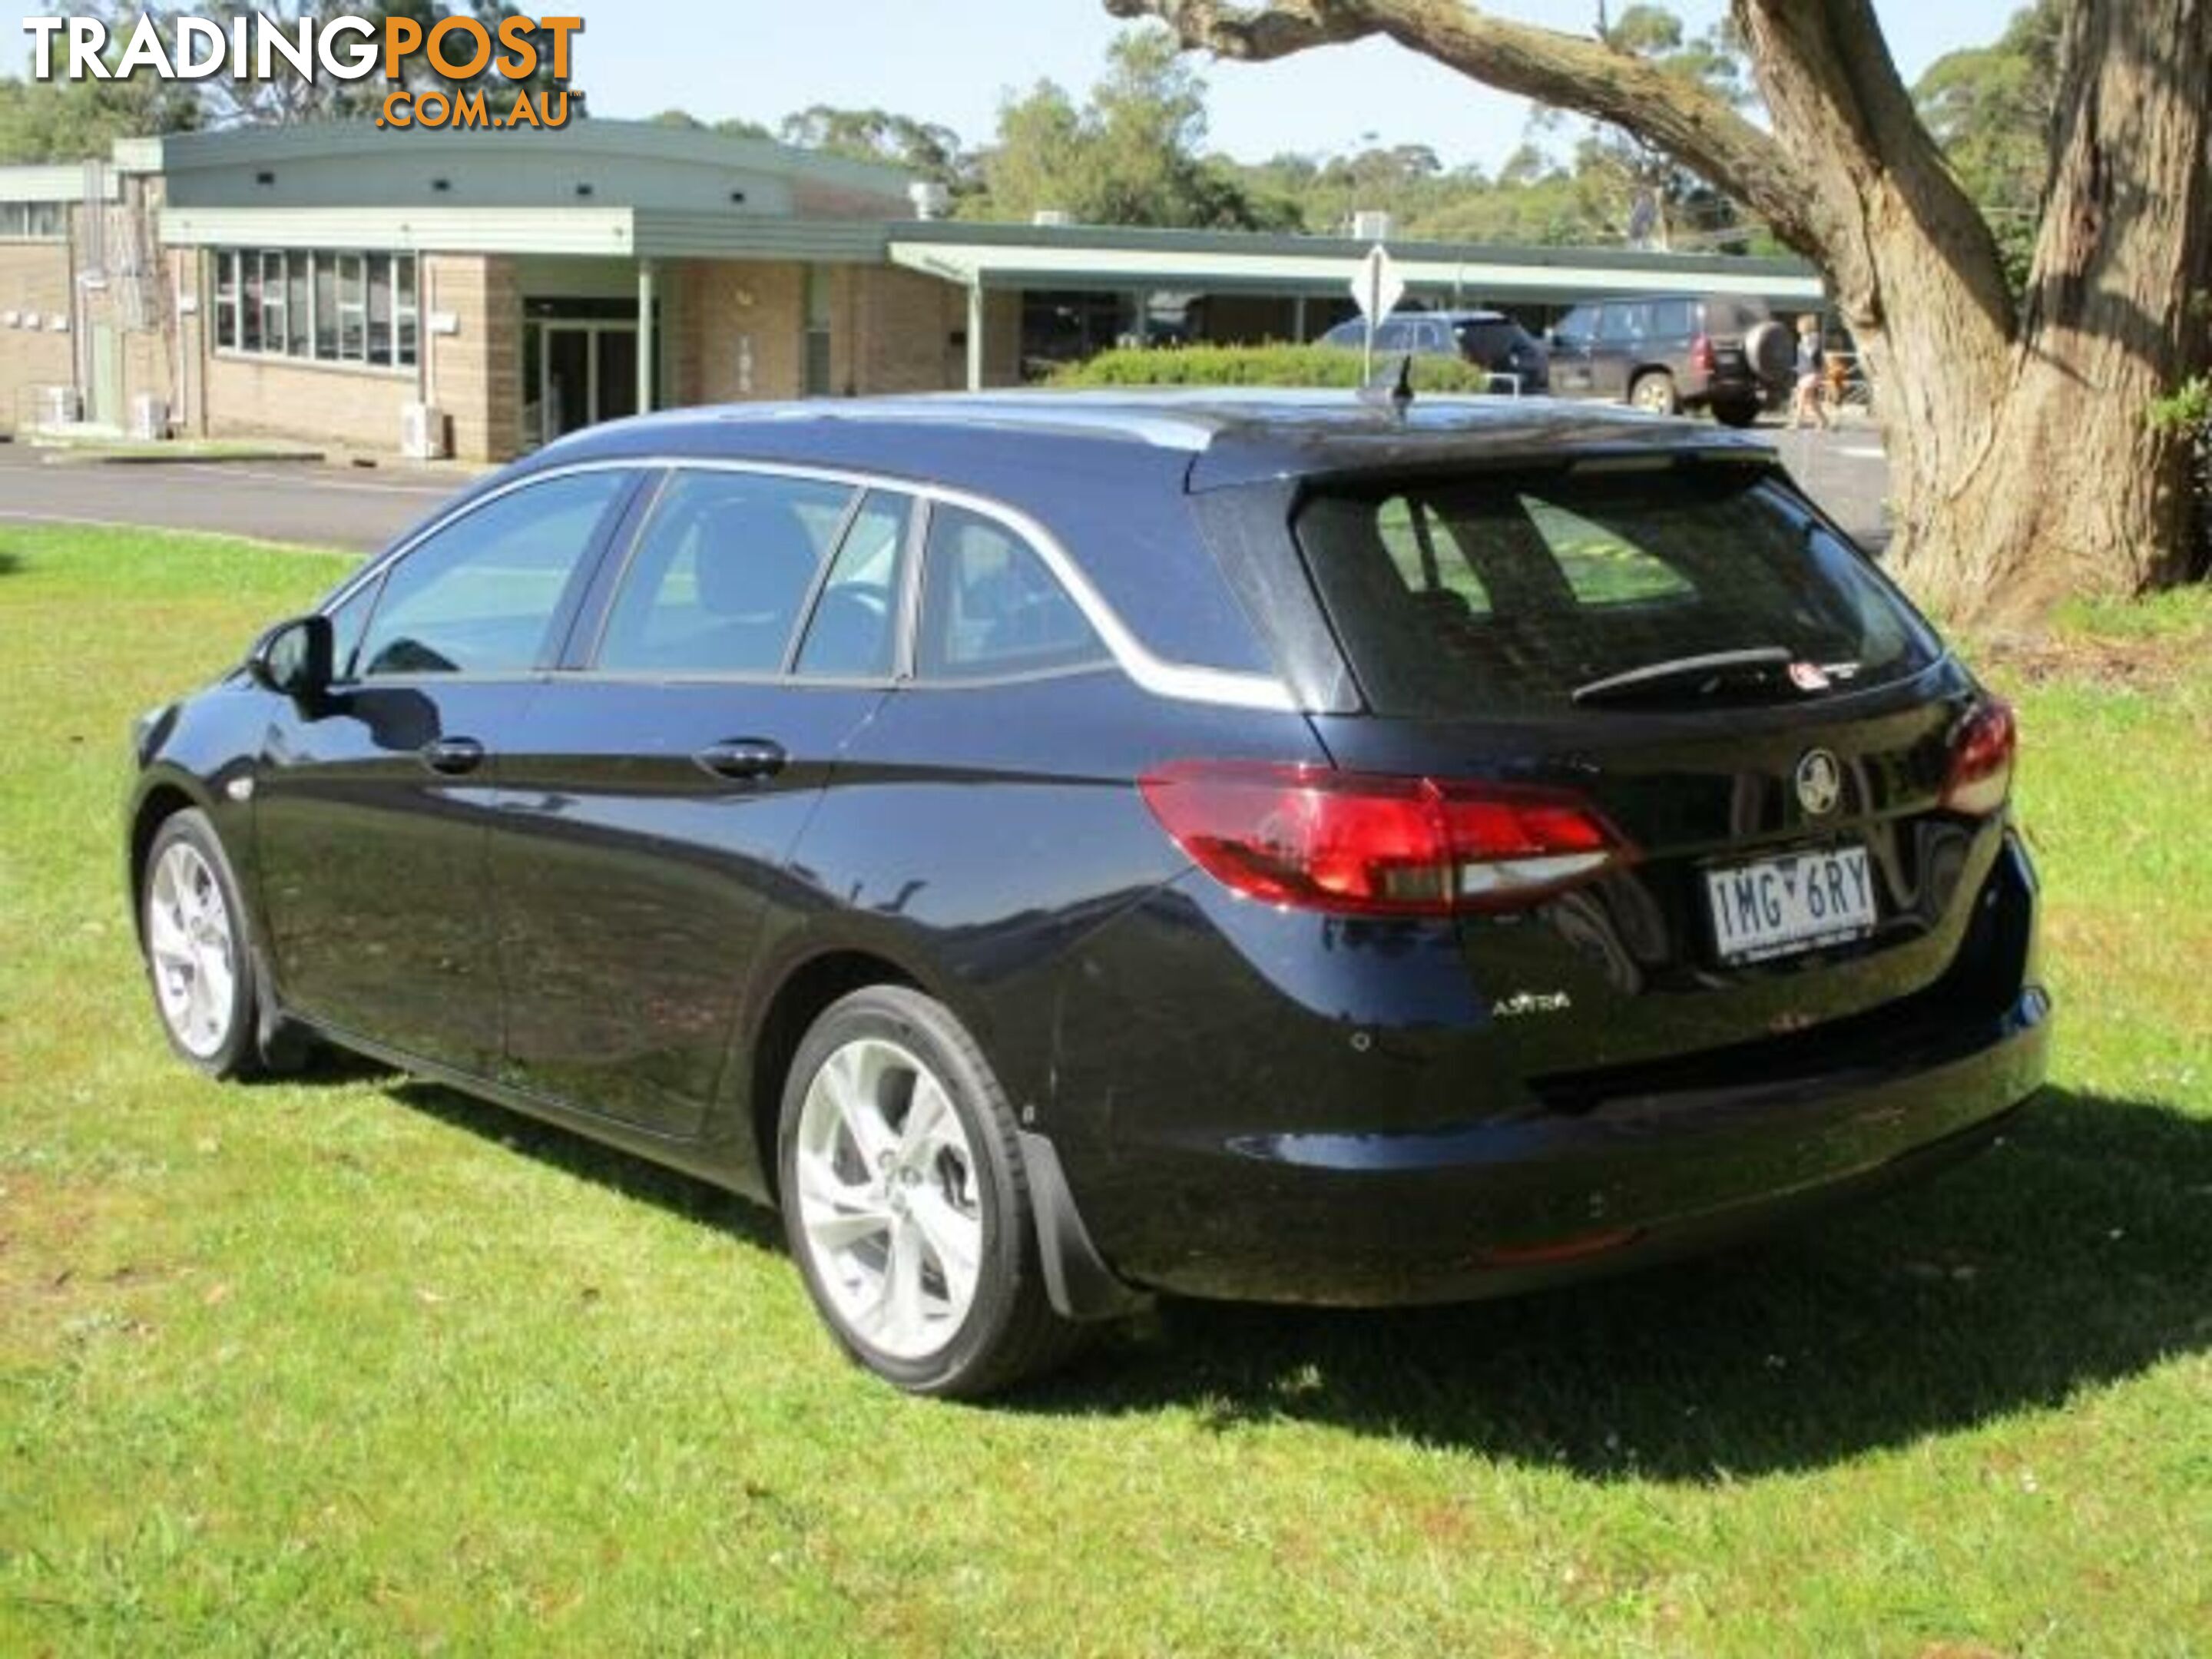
(1674, 320)
(1620, 324)
(722, 573)
(991, 607)
(1577, 325)
(852, 633)
(1395, 335)
(478, 596)
(349, 620)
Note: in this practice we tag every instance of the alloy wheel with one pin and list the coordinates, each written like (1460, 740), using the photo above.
(193, 949)
(889, 1198)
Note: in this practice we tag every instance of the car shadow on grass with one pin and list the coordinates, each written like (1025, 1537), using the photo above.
(585, 1158)
(2071, 1254)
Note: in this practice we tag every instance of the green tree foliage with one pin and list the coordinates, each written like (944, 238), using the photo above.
(1131, 154)
(925, 149)
(730, 126)
(1637, 193)
(72, 120)
(1990, 109)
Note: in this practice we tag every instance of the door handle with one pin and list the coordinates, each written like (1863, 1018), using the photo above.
(452, 755)
(746, 758)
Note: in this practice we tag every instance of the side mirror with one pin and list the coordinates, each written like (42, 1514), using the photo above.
(294, 659)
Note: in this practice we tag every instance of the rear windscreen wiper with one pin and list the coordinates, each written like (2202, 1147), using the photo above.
(1658, 676)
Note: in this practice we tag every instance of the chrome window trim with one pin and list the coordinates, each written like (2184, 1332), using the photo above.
(1184, 682)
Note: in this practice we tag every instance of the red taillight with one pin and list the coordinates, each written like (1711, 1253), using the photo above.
(1318, 839)
(1981, 760)
(1703, 358)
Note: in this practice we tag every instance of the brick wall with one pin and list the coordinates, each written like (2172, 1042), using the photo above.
(317, 403)
(730, 313)
(477, 378)
(901, 336)
(34, 277)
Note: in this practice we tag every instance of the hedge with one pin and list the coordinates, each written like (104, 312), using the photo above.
(1261, 365)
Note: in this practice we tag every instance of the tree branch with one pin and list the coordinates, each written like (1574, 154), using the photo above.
(1841, 111)
(1565, 70)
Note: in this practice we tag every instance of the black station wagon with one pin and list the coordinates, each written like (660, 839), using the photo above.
(1064, 849)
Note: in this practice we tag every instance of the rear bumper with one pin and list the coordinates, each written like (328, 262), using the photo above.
(1501, 1207)
(1278, 1141)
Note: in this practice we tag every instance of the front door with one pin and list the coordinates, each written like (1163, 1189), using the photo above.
(1573, 341)
(373, 806)
(580, 373)
(645, 830)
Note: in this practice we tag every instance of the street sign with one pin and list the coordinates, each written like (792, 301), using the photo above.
(1376, 287)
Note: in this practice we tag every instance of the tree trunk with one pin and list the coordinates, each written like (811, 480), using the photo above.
(2074, 491)
(2023, 465)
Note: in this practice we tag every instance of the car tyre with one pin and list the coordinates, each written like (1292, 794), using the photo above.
(1653, 392)
(1736, 414)
(194, 934)
(906, 1201)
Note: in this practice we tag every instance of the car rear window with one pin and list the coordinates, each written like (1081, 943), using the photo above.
(1501, 594)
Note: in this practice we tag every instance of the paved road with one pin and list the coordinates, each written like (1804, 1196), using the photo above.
(358, 507)
(1845, 472)
(280, 501)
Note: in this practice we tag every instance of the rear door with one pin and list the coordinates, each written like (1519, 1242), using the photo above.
(1789, 862)
(1622, 325)
(647, 817)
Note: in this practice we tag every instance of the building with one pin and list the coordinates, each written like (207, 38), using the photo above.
(479, 293)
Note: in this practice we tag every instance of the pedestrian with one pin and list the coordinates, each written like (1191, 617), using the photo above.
(1808, 400)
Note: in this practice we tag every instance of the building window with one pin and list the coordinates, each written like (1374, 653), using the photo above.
(249, 308)
(30, 222)
(226, 301)
(327, 308)
(299, 306)
(405, 308)
(353, 309)
(272, 301)
(332, 307)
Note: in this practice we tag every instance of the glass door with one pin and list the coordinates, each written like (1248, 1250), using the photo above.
(576, 374)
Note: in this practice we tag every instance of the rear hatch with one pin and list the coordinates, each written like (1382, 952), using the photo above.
(1729, 328)
(1678, 648)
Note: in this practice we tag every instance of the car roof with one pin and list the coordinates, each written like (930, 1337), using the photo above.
(1009, 444)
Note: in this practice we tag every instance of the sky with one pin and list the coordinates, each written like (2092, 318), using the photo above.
(954, 61)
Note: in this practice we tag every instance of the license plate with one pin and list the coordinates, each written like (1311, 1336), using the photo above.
(1797, 903)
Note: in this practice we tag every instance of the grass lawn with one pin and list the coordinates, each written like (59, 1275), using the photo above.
(352, 1364)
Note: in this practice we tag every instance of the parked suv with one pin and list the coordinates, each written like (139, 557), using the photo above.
(1061, 849)
(1674, 352)
(1490, 339)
